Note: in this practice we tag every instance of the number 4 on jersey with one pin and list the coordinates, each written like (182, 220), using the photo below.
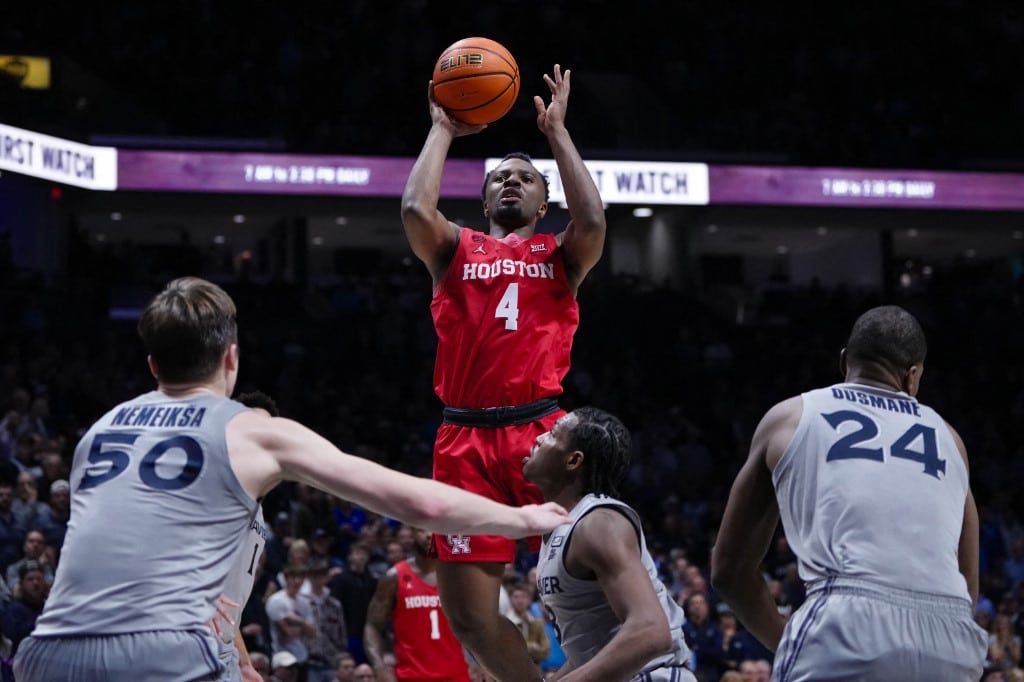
(508, 307)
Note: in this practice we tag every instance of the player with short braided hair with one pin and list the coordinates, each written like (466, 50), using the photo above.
(607, 443)
(612, 614)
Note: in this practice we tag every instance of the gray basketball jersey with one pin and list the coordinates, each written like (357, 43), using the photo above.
(579, 610)
(156, 517)
(872, 486)
(243, 573)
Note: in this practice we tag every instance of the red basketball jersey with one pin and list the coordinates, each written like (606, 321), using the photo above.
(505, 317)
(425, 646)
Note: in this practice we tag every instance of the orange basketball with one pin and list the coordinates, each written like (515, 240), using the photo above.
(476, 80)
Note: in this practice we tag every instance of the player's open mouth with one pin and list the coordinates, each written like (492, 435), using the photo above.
(510, 194)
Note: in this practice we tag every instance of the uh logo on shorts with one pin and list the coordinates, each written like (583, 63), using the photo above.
(459, 544)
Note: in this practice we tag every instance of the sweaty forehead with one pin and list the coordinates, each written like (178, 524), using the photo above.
(564, 425)
(517, 166)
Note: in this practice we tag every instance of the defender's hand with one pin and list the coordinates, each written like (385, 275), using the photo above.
(543, 518)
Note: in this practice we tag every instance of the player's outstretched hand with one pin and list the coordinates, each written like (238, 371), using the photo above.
(543, 518)
(552, 116)
(439, 116)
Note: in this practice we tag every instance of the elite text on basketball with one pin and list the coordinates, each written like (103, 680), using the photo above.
(468, 59)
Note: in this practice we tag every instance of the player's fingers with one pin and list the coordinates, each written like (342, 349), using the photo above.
(215, 627)
(225, 615)
(227, 601)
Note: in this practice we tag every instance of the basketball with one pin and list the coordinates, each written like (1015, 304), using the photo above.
(476, 80)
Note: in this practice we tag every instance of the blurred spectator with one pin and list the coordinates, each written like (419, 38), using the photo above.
(298, 555)
(758, 670)
(291, 616)
(556, 658)
(321, 541)
(364, 673)
(704, 638)
(1014, 566)
(9, 431)
(260, 663)
(344, 667)
(276, 548)
(34, 553)
(310, 507)
(738, 645)
(26, 506)
(19, 616)
(531, 628)
(1004, 646)
(25, 457)
(354, 588)
(11, 530)
(55, 524)
(329, 639)
(51, 462)
(284, 667)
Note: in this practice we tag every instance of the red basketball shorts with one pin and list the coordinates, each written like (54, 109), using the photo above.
(487, 461)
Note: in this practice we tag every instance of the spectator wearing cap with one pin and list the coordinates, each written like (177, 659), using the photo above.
(320, 544)
(33, 550)
(55, 525)
(284, 667)
(291, 616)
(19, 616)
(276, 549)
(329, 639)
(260, 663)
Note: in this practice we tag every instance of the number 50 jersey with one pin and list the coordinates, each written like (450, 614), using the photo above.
(873, 486)
(157, 517)
(505, 317)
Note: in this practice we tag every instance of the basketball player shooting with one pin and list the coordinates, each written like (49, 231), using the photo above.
(505, 312)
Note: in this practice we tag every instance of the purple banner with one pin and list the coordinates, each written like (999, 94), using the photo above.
(172, 171)
(765, 185)
(167, 171)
